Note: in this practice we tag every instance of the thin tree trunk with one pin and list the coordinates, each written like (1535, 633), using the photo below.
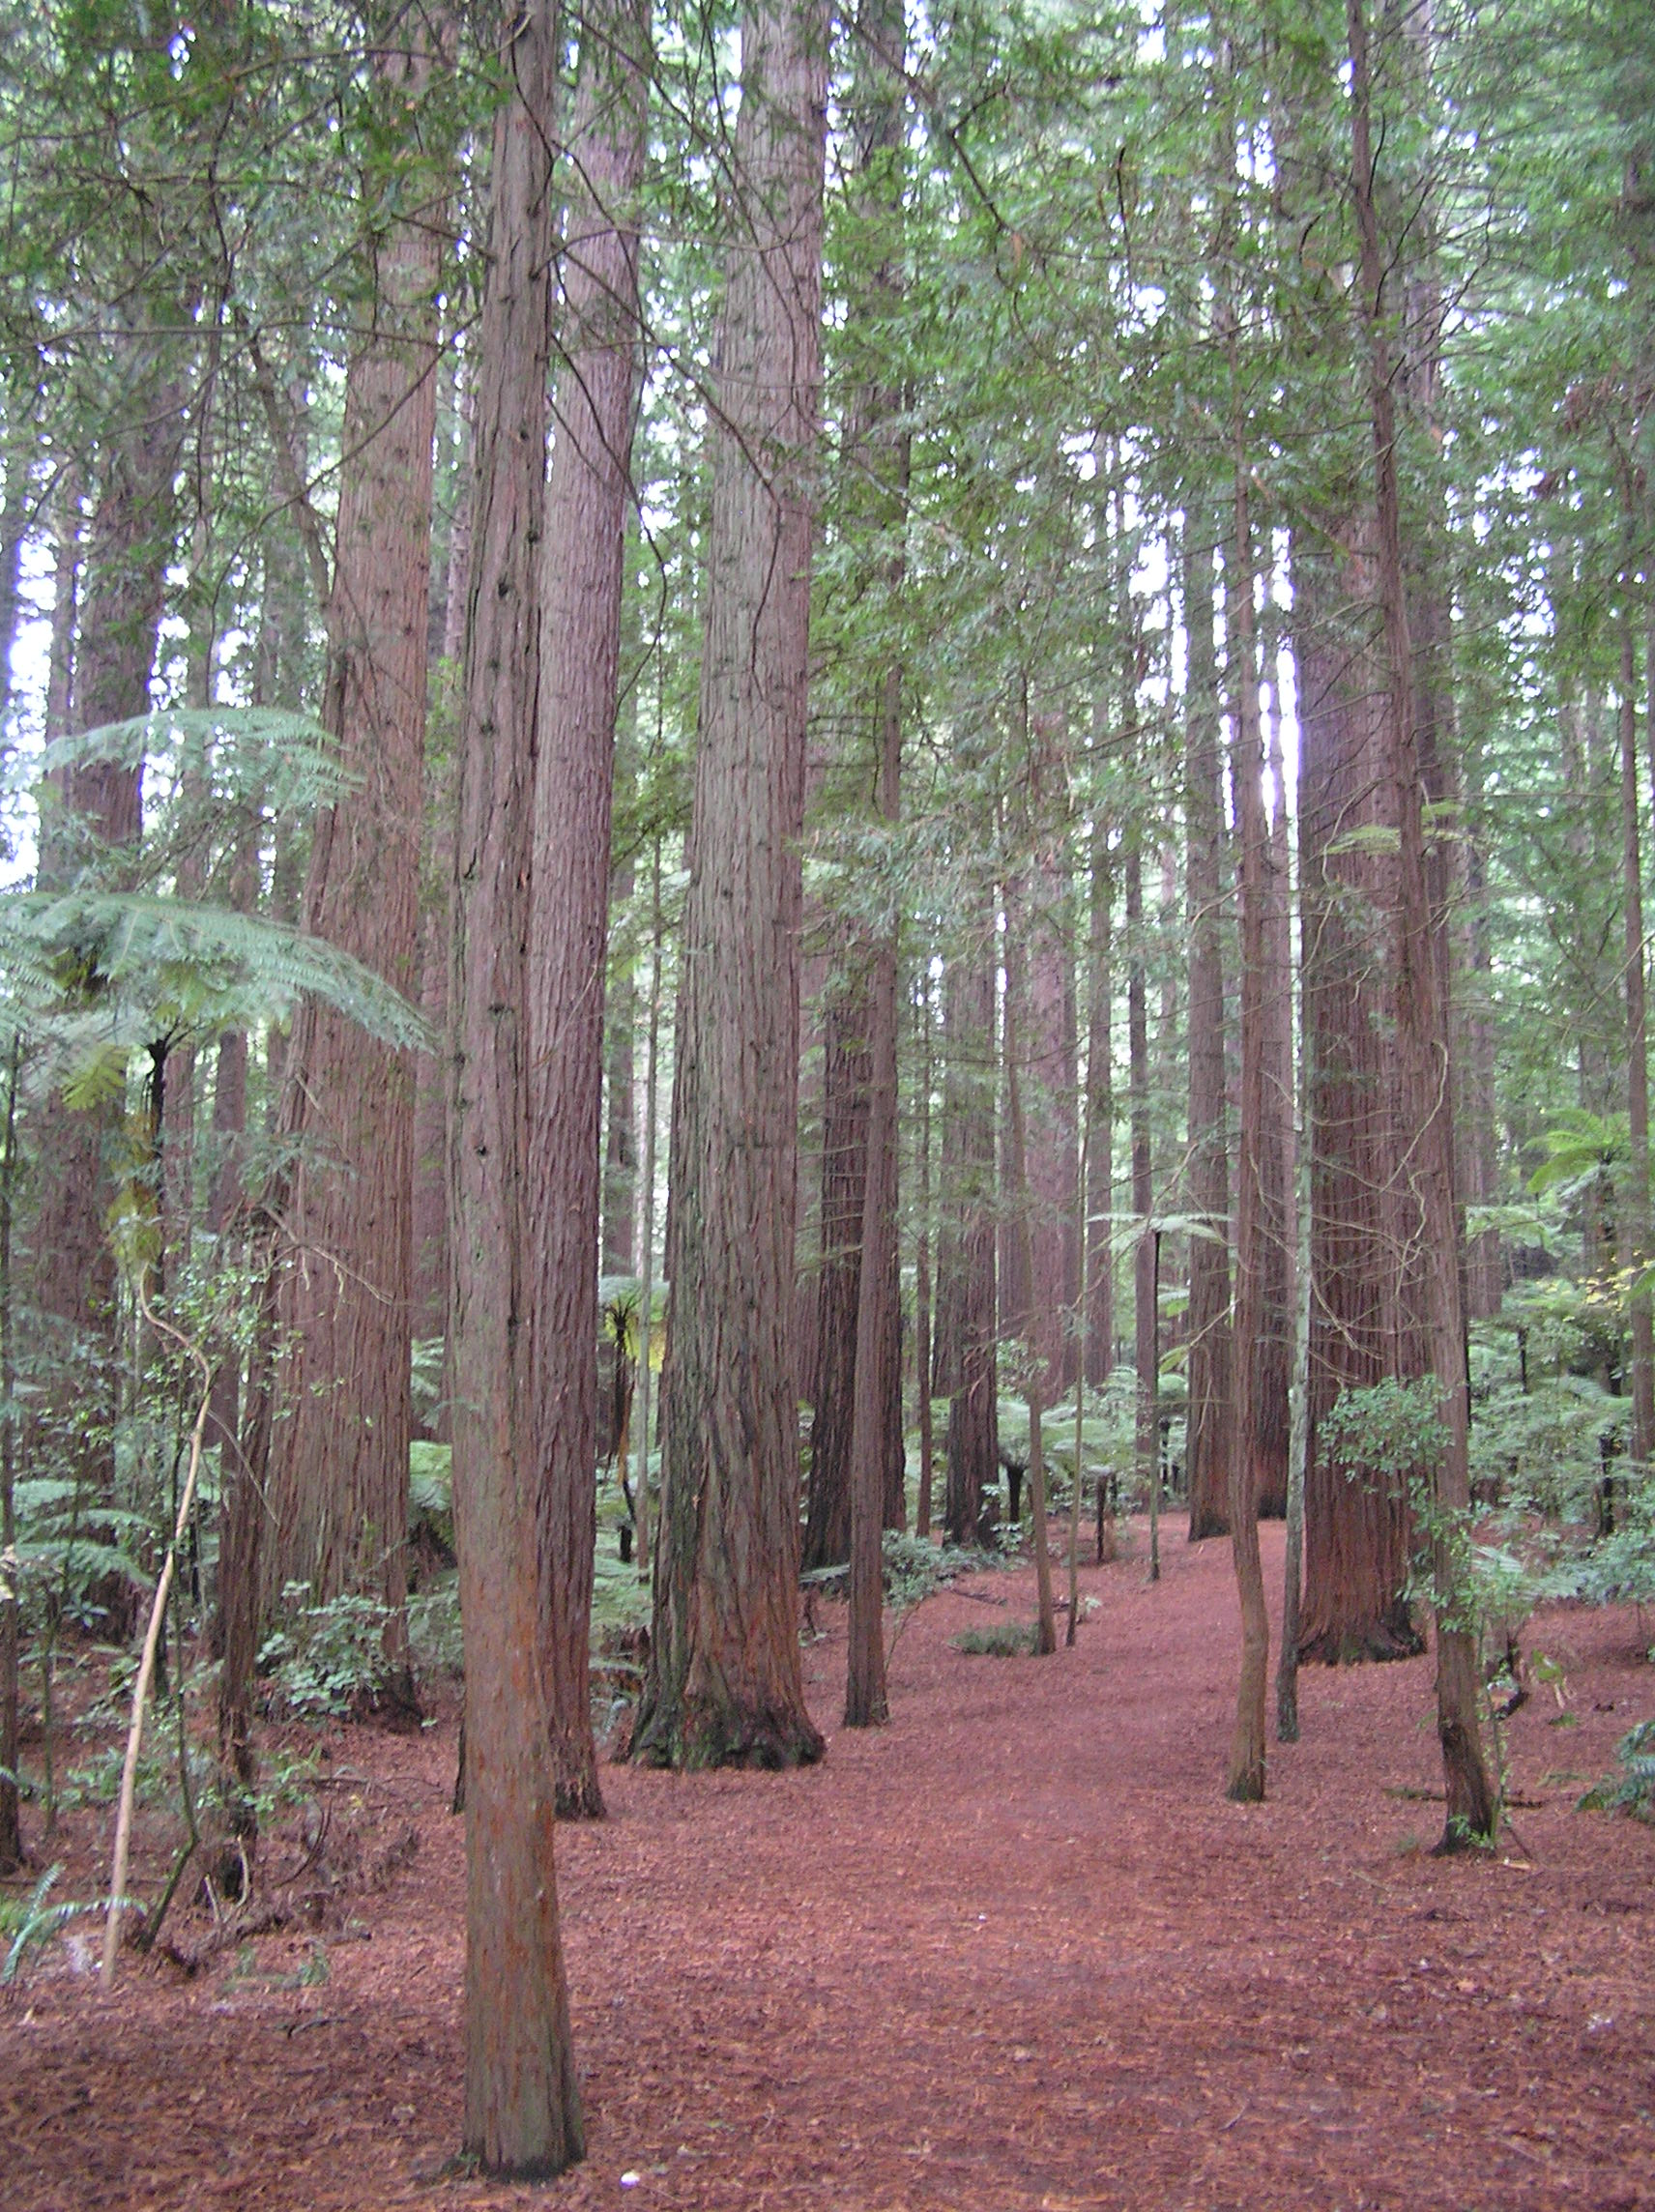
(14, 529)
(1100, 1109)
(1637, 1230)
(647, 1286)
(1147, 1445)
(11, 1825)
(1209, 1433)
(973, 1422)
(846, 1077)
(582, 594)
(724, 1684)
(522, 2104)
(1251, 1456)
(865, 1700)
(1277, 1154)
(923, 1267)
(1046, 1620)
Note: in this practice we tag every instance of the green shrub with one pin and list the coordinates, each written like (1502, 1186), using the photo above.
(327, 1660)
(1003, 1639)
(1633, 1789)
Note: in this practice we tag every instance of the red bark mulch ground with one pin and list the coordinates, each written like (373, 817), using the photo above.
(1012, 1953)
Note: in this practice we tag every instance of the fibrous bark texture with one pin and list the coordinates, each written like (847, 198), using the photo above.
(1256, 1414)
(580, 657)
(337, 1483)
(969, 1195)
(1428, 1214)
(522, 2104)
(1363, 1326)
(847, 1072)
(1209, 1429)
(97, 819)
(724, 1684)
(1100, 1110)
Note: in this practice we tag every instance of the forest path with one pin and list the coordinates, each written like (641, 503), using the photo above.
(1013, 1953)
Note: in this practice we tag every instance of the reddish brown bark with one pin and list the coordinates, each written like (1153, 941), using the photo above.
(847, 1072)
(10, 1797)
(586, 536)
(865, 1700)
(923, 1270)
(1050, 1075)
(338, 1482)
(1429, 1217)
(968, 1176)
(724, 1684)
(1146, 1320)
(1209, 1429)
(1256, 1415)
(1635, 1225)
(130, 543)
(1357, 1524)
(522, 2105)
(1100, 1110)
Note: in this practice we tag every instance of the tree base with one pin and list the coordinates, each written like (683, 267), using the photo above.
(579, 1799)
(1368, 1643)
(692, 1741)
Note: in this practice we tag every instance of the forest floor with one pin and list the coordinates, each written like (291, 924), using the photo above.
(1013, 1953)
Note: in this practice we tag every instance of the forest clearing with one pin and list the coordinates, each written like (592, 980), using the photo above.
(1013, 1954)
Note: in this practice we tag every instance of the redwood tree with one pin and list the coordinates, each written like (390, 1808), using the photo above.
(1211, 1431)
(586, 535)
(522, 2104)
(338, 1481)
(966, 1301)
(724, 1683)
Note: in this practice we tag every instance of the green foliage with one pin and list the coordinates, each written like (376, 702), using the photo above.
(327, 1660)
(1002, 1640)
(1633, 1789)
(431, 1493)
(33, 1922)
(434, 1634)
(1391, 1430)
(916, 1569)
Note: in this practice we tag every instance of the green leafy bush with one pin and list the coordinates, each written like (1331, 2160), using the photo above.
(1633, 1789)
(327, 1660)
(1002, 1640)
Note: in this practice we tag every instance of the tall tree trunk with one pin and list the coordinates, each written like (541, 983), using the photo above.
(338, 1482)
(1422, 1037)
(967, 1168)
(865, 1700)
(15, 510)
(130, 543)
(580, 660)
(1100, 1108)
(922, 1266)
(1038, 1381)
(10, 1797)
(1279, 1153)
(1051, 1074)
(647, 1216)
(1146, 1426)
(1253, 1458)
(847, 1070)
(1208, 1435)
(1635, 1226)
(522, 2104)
(724, 1683)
